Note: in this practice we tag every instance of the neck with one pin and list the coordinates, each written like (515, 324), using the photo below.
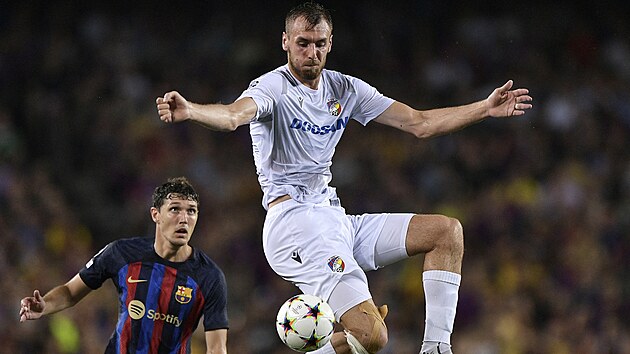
(173, 253)
(312, 84)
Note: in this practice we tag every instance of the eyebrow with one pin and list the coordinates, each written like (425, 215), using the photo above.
(180, 203)
(306, 39)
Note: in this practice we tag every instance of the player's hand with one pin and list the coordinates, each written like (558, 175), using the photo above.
(504, 102)
(173, 107)
(32, 307)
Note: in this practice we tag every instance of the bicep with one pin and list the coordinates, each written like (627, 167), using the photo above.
(216, 341)
(399, 116)
(244, 110)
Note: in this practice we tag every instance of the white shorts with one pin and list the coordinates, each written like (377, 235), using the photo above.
(317, 246)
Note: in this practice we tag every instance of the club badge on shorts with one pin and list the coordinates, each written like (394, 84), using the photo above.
(336, 264)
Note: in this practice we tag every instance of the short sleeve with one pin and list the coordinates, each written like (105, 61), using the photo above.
(215, 309)
(371, 103)
(265, 91)
(97, 269)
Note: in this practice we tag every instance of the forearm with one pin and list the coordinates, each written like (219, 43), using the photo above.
(216, 341)
(433, 122)
(441, 121)
(212, 116)
(57, 299)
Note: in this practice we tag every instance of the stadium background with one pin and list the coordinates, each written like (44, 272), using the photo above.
(544, 199)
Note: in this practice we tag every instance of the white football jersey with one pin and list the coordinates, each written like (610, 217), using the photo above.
(296, 129)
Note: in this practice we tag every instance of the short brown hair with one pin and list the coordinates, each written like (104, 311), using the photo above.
(174, 187)
(312, 12)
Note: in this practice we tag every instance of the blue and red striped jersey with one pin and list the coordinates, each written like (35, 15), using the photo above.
(161, 302)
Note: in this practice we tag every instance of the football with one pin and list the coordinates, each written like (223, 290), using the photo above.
(305, 322)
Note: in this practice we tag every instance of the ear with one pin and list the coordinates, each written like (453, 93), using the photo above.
(330, 43)
(155, 215)
(285, 40)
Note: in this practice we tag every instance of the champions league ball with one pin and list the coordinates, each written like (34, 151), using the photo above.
(305, 322)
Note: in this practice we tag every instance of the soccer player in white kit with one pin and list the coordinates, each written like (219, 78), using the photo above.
(297, 114)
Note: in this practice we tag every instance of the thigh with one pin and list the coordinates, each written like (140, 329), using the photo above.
(426, 230)
(350, 291)
(309, 245)
(380, 239)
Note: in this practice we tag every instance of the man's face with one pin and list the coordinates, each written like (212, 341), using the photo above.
(307, 49)
(175, 220)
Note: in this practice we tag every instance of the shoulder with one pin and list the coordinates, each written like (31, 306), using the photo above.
(274, 78)
(126, 248)
(208, 274)
(336, 76)
(207, 262)
(133, 243)
(269, 87)
(343, 81)
(205, 265)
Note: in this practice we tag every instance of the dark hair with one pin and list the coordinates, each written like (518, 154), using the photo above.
(178, 187)
(312, 12)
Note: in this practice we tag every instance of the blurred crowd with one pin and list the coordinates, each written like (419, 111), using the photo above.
(544, 198)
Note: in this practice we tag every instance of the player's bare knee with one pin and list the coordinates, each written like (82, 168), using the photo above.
(372, 334)
(378, 339)
(452, 237)
(371, 340)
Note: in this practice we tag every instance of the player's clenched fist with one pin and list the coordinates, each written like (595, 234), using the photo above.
(173, 107)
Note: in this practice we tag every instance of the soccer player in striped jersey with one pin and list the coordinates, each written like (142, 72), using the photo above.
(164, 285)
(297, 114)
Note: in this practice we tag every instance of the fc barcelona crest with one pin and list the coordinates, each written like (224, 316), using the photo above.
(183, 294)
(334, 107)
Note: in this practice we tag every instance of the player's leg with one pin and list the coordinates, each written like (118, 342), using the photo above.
(311, 246)
(363, 323)
(441, 239)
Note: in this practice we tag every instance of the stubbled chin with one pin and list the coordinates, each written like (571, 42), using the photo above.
(310, 73)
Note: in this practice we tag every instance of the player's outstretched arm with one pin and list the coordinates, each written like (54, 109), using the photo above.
(216, 341)
(59, 298)
(502, 102)
(173, 108)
